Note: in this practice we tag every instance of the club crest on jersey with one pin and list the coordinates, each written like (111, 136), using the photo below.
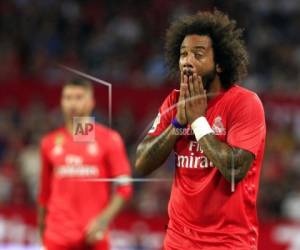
(57, 150)
(92, 148)
(218, 126)
(155, 123)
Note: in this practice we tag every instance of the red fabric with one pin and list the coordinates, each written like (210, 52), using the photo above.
(201, 198)
(71, 198)
(100, 245)
(246, 124)
(165, 115)
(176, 239)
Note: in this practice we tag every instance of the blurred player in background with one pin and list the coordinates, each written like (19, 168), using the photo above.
(75, 211)
(217, 130)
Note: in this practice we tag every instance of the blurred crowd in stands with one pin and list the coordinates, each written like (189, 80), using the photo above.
(122, 41)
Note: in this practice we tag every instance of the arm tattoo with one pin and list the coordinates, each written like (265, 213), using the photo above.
(153, 151)
(221, 155)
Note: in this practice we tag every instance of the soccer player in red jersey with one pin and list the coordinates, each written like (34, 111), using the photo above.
(75, 208)
(217, 131)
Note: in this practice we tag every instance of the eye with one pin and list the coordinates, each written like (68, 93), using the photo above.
(198, 55)
(183, 53)
(67, 97)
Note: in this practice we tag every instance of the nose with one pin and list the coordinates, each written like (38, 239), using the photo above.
(187, 64)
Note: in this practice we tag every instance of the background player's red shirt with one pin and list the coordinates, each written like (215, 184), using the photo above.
(72, 200)
(201, 198)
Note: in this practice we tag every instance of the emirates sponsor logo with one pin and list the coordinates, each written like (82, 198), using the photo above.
(192, 159)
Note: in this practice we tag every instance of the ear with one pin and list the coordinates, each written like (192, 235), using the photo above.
(219, 69)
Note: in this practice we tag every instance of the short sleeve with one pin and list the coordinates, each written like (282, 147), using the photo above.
(167, 112)
(117, 157)
(45, 176)
(246, 126)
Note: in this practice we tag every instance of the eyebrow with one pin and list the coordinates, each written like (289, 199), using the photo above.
(195, 47)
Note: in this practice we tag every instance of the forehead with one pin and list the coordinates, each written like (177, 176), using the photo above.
(196, 41)
(73, 89)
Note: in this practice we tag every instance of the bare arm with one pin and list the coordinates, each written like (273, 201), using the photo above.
(154, 150)
(100, 224)
(41, 220)
(223, 157)
(112, 209)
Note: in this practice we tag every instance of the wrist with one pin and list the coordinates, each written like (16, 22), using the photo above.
(177, 124)
(201, 127)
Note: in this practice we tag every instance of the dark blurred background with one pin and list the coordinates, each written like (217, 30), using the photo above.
(123, 42)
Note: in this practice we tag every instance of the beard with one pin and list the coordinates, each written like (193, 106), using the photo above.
(208, 78)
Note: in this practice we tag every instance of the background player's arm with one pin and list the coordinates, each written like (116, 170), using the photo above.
(154, 150)
(42, 211)
(224, 156)
(119, 168)
(102, 221)
(44, 192)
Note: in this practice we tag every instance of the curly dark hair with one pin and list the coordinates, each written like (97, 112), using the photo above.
(228, 46)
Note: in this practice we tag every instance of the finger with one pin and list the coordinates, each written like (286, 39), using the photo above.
(89, 234)
(203, 91)
(191, 85)
(183, 86)
(99, 235)
(88, 239)
(181, 77)
(201, 88)
(187, 95)
(204, 95)
(197, 83)
(96, 236)
(185, 91)
(92, 237)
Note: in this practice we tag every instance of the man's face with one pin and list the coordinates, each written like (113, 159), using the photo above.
(196, 56)
(76, 101)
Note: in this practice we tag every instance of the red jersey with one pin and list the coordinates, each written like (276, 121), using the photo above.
(201, 199)
(72, 200)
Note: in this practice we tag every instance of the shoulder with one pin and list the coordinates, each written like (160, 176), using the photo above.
(171, 99)
(102, 129)
(174, 95)
(52, 137)
(242, 97)
(245, 106)
(109, 134)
